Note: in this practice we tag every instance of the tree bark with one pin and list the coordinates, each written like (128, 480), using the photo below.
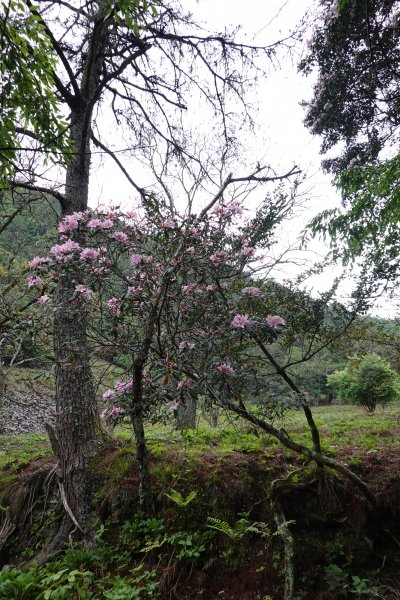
(145, 496)
(186, 414)
(78, 429)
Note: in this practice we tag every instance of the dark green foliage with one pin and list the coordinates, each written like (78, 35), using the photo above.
(355, 49)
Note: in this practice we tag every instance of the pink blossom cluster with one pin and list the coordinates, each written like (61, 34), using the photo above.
(34, 281)
(219, 258)
(90, 253)
(247, 252)
(141, 259)
(186, 345)
(121, 387)
(185, 384)
(67, 248)
(241, 322)
(251, 291)
(114, 411)
(187, 289)
(173, 405)
(225, 369)
(133, 291)
(84, 290)
(113, 307)
(169, 223)
(36, 262)
(108, 394)
(275, 321)
(120, 236)
(70, 222)
(232, 209)
(99, 224)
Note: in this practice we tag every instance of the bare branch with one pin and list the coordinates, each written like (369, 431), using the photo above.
(110, 153)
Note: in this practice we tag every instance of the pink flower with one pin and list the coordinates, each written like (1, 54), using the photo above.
(137, 259)
(113, 307)
(70, 222)
(251, 291)
(98, 224)
(173, 405)
(186, 289)
(219, 257)
(34, 281)
(121, 387)
(36, 261)
(133, 291)
(241, 322)
(225, 369)
(247, 252)
(186, 345)
(194, 232)
(43, 299)
(169, 223)
(85, 291)
(191, 250)
(116, 411)
(233, 208)
(99, 271)
(120, 236)
(88, 253)
(108, 394)
(275, 321)
(66, 248)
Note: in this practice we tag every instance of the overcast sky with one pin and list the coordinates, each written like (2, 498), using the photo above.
(281, 139)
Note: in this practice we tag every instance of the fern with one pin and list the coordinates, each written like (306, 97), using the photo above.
(177, 497)
(241, 528)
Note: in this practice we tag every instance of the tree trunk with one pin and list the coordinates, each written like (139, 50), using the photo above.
(78, 429)
(186, 414)
(145, 495)
(77, 419)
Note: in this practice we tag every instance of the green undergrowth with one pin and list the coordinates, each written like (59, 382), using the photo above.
(211, 530)
(211, 527)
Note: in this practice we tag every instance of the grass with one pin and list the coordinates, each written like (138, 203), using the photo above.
(17, 451)
(341, 428)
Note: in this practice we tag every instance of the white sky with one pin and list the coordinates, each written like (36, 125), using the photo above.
(282, 140)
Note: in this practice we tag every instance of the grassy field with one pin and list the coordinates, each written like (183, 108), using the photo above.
(342, 428)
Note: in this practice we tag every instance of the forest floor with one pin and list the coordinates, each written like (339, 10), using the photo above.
(213, 533)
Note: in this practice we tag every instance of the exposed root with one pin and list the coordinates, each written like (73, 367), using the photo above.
(287, 538)
(7, 527)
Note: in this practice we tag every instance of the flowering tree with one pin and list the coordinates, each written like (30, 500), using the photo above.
(173, 300)
(143, 63)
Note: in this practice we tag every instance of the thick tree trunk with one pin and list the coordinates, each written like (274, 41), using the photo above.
(78, 430)
(77, 419)
(186, 414)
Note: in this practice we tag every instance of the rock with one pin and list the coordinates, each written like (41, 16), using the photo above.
(25, 412)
